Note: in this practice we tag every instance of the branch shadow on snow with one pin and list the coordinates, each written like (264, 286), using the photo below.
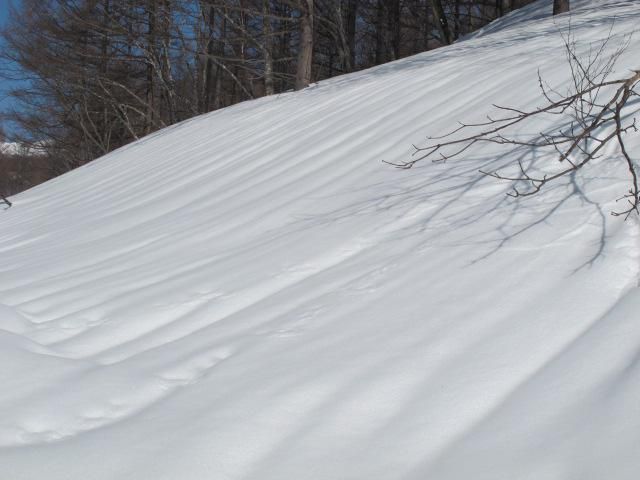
(458, 206)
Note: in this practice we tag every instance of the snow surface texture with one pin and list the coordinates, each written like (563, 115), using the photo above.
(252, 294)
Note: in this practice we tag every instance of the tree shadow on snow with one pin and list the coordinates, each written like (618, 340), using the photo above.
(455, 205)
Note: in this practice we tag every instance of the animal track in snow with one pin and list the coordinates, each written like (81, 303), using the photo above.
(192, 370)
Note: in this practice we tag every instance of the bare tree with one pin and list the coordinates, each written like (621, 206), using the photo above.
(94, 75)
(269, 87)
(595, 111)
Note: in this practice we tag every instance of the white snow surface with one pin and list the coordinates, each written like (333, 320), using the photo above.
(253, 294)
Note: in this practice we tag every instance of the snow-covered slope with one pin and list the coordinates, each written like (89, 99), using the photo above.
(252, 294)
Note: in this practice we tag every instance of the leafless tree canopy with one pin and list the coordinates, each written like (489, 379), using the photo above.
(97, 74)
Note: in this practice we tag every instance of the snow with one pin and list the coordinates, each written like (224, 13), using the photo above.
(253, 294)
(16, 148)
(11, 148)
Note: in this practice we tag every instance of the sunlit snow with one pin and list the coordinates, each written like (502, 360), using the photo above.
(254, 295)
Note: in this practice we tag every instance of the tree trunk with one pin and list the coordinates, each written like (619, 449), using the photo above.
(166, 69)
(560, 6)
(242, 72)
(394, 28)
(305, 51)
(207, 81)
(350, 57)
(151, 53)
(268, 57)
(217, 99)
(426, 27)
(456, 19)
(284, 45)
(380, 32)
(104, 62)
(441, 20)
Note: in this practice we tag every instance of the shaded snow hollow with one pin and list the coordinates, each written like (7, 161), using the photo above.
(252, 294)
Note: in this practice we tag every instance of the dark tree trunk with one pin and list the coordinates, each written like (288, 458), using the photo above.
(560, 6)
(441, 20)
(305, 50)
(352, 11)
(394, 28)
(207, 80)
(217, 94)
(380, 32)
(456, 19)
(267, 50)
(284, 45)
(426, 26)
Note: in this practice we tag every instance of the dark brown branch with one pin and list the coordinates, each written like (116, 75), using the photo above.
(5, 200)
(590, 125)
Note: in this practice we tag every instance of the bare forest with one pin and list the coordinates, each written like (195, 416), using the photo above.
(92, 75)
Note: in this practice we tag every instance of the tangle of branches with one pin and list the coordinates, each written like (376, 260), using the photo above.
(596, 111)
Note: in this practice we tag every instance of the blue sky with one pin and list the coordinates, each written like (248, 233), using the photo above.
(4, 9)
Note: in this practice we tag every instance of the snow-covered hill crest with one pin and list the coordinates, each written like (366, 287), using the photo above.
(253, 295)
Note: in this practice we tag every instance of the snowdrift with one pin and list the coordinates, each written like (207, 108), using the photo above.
(254, 295)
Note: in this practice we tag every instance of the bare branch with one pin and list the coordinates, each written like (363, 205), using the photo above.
(584, 127)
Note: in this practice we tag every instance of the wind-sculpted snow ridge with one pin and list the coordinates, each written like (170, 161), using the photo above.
(253, 295)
